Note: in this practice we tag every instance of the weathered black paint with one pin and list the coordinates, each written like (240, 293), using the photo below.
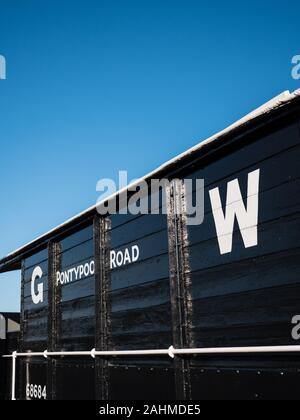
(7, 345)
(181, 291)
(179, 288)
(101, 305)
(4, 370)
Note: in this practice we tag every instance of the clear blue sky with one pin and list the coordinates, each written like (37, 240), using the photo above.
(97, 86)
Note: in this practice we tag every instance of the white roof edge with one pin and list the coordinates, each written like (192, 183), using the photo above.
(269, 106)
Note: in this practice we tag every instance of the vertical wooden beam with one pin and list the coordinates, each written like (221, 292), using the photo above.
(179, 286)
(101, 310)
(21, 393)
(54, 317)
(22, 317)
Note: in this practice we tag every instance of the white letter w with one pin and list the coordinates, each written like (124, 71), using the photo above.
(247, 218)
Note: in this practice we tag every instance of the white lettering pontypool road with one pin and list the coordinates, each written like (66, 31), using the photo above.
(76, 273)
(121, 258)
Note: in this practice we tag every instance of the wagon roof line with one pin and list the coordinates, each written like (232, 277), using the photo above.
(11, 261)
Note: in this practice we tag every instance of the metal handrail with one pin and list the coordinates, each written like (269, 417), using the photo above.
(171, 352)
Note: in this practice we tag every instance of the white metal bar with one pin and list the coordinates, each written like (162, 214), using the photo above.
(13, 375)
(67, 353)
(132, 353)
(38, 354)
(171, 351)
(239, 350)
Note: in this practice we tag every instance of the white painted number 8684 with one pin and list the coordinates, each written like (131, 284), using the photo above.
(36, 391)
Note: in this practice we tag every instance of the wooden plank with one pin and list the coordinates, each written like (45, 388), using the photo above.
(274, 237)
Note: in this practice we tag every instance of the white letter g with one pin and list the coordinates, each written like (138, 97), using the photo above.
(37, 297)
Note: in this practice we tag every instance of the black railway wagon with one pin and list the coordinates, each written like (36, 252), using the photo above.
(184, 311)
